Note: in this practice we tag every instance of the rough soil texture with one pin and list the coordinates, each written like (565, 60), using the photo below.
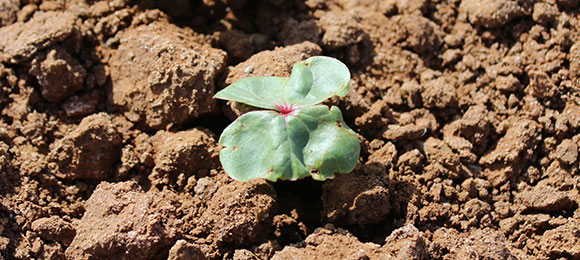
(468, 114)
(180, 75)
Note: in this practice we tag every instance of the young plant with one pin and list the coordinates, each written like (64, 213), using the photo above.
(296, 137)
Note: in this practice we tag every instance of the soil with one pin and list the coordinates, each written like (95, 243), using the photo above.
(468, 114)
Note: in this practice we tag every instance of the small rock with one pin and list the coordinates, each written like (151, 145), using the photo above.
(81, 105)
(249, 69)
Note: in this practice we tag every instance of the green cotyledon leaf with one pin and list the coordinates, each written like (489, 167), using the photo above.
(289, 146)
(311, 82)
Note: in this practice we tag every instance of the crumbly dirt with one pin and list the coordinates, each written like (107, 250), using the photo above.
(468, 115)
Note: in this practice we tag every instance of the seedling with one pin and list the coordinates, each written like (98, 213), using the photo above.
(296, 137)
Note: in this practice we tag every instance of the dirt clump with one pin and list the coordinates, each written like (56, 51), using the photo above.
(183, 250)
(396, 126)
(295, 32)
(545, 13)
(439, 93)
(240, 213)
(331, 243)
(566, 152)
(407, 242)
(54, 229)
(58, 73)
(574, 57)
(491, 13)
(183, 154)
(87, 152)
(418, 33)
(160, 75)
(6, 167)
(8, 12)
(340, 29)
(562, 241)
(335, 243)
(19, 43)
(485, 243)
(277, 62)
(361, 197)
(544, 198)
(513, 150)
(469, 135)
(123, 222)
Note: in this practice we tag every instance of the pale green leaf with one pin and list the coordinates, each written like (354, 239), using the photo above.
(262, 92)
(266, 144)
(316, 79)
(311, 82)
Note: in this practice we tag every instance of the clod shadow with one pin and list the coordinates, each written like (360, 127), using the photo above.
(401, 194)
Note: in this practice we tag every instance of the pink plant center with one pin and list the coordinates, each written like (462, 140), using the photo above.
(285, 109)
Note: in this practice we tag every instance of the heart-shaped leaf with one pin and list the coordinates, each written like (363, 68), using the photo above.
(311, 82)
(272, 145)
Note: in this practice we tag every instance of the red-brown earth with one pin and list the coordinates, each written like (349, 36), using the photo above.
(468, 113)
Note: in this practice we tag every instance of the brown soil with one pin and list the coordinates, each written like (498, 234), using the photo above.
(468, 114)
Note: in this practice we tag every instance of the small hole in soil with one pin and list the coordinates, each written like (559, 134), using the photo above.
(215, 123)
(304, 196)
